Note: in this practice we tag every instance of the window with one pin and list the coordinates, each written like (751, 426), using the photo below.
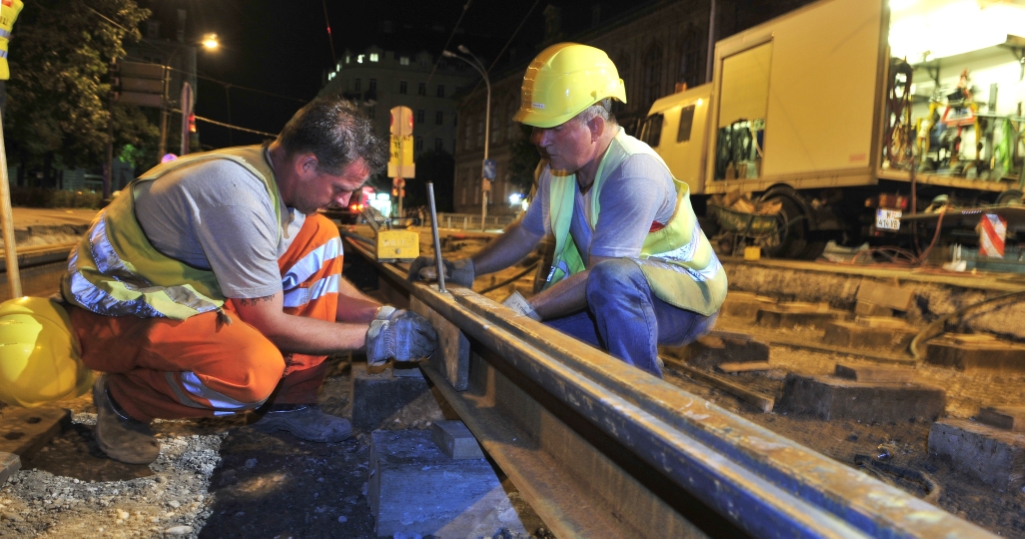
(495, 132)
(469, 134)
(420, 116)
(421, 88)
(331, 75)
(403, 60)
(348, 59)
(403, 87)
(374, 57)
(359, 58)
(439, 118)
(480, 131)
(510, 128)
(653, 74)
(690, 54)
(651, 130)
(357, 86)
(338, 66)
(686, 122)
(418, 145)
(438, 145)
(441, 90)
(372, 86)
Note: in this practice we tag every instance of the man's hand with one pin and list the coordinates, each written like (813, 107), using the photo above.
(399, 334)
(459, 272)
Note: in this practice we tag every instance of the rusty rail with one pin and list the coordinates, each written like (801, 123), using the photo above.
(601, 449)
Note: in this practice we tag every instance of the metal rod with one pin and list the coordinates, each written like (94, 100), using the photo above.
(7, 216)
(437, 239)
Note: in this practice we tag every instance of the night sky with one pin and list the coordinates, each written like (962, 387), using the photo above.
(283, 48)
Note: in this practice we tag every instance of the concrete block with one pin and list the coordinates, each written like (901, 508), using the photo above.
(9, 465)
(383, 401)
(455, 440)
(827, 398)
(864, 308)
(403, 369)
(720, 347)
(1010, 418)
(984, 355)
(744, 305)
(415, 488)
(874, 373)
(993, 456)
(857, 335)
(791, 315)
(890, 297)
(27, 430)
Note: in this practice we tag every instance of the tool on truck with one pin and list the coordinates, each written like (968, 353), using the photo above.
(855, 115)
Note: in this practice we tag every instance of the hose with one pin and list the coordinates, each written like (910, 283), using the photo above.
(936, 327)
(529, 269)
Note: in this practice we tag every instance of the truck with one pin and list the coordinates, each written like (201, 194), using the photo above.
(851, 115)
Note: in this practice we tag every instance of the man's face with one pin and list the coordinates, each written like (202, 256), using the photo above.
(569, 146)
(319, 188)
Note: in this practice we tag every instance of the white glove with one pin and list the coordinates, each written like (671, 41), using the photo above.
(520, 304)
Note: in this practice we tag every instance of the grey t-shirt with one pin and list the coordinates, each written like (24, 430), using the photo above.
(636, 194)
(217, 215)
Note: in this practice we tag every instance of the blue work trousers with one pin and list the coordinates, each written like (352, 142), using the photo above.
(625, 318)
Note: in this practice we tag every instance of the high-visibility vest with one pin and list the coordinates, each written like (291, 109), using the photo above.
(116, 271)
(9, 10)
(677, 260)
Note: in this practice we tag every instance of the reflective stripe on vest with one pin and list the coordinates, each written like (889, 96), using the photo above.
(310, 264)
(301, 296)
(115, 271)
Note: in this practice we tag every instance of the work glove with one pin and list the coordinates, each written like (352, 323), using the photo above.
(399, 334)
(459, 271)
(520, 304)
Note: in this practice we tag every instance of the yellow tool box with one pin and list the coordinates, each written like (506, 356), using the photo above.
(394, 245)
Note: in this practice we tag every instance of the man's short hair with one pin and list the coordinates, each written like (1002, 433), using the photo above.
(602, 108)
(337, 132)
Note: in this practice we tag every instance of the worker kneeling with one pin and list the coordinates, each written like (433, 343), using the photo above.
(213, 287)
(631, 268)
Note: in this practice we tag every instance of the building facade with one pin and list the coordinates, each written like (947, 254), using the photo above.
(381, 79)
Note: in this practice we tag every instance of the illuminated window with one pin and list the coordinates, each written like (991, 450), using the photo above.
(359, 59)
(403, 60)
(348, 59)
(338, 66)
(331, 75)
(373, 57)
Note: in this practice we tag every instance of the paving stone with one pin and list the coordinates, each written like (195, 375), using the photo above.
(1010, 418)
(864, 308)
(886, 296)
(415, 488)
(857, 335)
(788, 316)
(993, 456)
(720, 347)
(874, 373)
(744, 305)
(455, 440)
(989, 355)
(383, 401)
(23, 431)
(827, 397)
(9, 464)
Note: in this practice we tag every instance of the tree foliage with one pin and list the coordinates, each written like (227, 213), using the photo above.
(57, 106)
(439, 168)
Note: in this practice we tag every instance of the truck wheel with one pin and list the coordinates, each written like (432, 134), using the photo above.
(791, 239)
(1010, 197)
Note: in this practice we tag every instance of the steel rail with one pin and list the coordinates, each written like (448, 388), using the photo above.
(601, 449)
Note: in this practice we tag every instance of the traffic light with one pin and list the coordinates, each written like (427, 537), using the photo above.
(192, 123)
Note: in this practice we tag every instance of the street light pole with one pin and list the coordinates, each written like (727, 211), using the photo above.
(479, 67)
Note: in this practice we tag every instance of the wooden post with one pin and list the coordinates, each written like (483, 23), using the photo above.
(7, 221)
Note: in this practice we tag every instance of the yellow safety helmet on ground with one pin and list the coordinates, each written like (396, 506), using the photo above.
(564, 80)
(40, 359)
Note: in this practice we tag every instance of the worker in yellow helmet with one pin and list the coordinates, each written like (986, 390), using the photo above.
(632, 269)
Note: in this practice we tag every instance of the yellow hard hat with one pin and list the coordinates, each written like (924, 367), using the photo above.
(40, 359)
(564, 80)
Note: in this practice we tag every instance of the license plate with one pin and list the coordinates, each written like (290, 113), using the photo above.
(888, 219)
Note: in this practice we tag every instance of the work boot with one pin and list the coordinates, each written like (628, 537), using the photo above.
(306, 421)
(118, 435)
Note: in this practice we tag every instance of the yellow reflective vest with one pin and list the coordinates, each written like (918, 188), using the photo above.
(9, 10)
(116, 271)
(677, 260)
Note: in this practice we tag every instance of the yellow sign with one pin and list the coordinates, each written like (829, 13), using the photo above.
(401, 163)
(397, 245)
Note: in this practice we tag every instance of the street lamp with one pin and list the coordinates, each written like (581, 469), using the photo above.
(210, 42)
(479, 66)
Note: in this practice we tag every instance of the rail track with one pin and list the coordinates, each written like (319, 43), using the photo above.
(600, 449)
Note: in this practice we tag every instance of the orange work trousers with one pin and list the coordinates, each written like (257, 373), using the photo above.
(204, 367)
